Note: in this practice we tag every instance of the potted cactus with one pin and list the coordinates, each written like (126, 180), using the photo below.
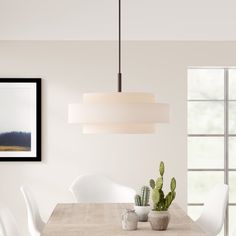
(142, 207)
(159, 217)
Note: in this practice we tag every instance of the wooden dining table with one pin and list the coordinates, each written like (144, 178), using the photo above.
(105, 220)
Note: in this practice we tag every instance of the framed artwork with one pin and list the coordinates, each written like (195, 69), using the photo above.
(20, 119)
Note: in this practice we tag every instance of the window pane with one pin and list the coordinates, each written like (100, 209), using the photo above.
(232, 152)
(232, 217)
(232, 186)
(201, 182)
(205, 117)
(194, 212)
(205, 84)
(232, 84)
(232, 117)
(205, 152)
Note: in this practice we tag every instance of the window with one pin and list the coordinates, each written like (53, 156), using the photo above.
(211, 137)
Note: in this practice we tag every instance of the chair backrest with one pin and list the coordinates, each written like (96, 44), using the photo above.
(213, 214)
(35, 223)
(97, 189)
(8, 225)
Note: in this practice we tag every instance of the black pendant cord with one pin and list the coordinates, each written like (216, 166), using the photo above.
(119, 51)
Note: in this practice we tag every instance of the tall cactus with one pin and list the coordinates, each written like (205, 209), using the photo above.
(160, 201)
(143, 198)
(145, 194)
(162, 168)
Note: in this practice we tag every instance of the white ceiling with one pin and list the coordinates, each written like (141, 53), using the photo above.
(97, 19)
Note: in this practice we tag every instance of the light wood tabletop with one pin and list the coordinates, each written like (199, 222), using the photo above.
(105, 220)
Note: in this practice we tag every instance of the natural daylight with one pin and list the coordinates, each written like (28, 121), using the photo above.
(15, 119)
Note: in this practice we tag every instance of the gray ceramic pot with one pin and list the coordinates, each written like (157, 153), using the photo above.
(129, 220)
(159, 220)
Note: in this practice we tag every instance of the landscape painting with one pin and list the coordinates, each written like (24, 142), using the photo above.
(15, 141)
(20, 119)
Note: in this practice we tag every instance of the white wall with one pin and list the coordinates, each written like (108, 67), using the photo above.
(70, 68)
(97, 20)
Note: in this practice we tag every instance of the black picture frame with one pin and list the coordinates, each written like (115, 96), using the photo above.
(36, 154)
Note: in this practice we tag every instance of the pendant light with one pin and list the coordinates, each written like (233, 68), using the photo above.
(118, 112)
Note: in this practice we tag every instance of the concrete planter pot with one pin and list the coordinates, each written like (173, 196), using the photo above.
(129, 220)
(159, 220)
(142, 212)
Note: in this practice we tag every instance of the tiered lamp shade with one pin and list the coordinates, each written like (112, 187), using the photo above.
(118, 112)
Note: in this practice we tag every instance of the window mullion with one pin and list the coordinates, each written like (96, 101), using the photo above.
(226, 142)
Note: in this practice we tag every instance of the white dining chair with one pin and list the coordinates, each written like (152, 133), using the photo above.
(233, 233)
(212, 217)
(35, 222)
(99, 189)
(8, 225)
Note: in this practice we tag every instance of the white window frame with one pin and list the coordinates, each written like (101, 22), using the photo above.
(226, 137)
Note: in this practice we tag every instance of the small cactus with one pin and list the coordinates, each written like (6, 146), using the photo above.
(137, 200)
(143, 198)
(160, 201)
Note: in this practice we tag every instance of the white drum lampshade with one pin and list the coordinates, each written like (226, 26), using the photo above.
(118, 113)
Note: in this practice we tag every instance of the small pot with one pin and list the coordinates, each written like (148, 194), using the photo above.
(142, 212)
(159, 220)
(129, 220)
